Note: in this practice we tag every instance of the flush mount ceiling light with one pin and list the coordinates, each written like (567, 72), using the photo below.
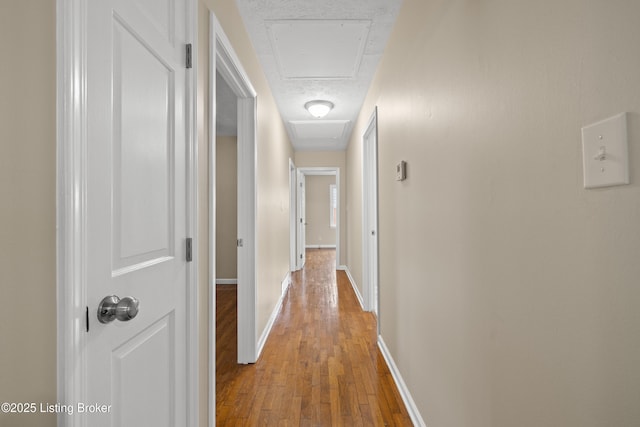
(318, 108)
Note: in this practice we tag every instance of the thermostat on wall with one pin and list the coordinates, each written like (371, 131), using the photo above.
(401, 171)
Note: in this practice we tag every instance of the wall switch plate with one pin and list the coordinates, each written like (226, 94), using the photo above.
(605, 153)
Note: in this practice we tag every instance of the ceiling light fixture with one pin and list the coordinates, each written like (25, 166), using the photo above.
(319, 108)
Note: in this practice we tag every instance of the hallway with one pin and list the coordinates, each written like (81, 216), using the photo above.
(320, 366)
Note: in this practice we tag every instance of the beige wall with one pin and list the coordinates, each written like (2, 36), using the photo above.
(318, 230)
(330, 159)
(274, 151)
(28, 207)
(226, 207)
(509, 293)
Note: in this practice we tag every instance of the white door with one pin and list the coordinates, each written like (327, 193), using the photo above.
(302, 220)
(370, 215)
(136, 210)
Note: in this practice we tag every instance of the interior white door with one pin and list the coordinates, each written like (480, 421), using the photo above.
(302, 220)
(370, 215)
(137, 211)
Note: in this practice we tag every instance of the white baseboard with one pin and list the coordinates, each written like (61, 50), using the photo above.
(353, 285)
(274, 314)
(320, 246)
(416, 418)
(285, 284)
(226, 281)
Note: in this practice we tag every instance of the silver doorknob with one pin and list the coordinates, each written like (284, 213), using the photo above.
(112, 308)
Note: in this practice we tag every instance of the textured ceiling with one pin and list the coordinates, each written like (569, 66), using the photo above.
(326, 50)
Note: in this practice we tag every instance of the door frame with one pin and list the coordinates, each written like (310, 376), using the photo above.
(324, 170)
(370, 251)
(222, 58)
(71, 209)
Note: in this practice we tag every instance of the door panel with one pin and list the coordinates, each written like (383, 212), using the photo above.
(137, 210)
(160, 15)
(143, 152)
(130, 382)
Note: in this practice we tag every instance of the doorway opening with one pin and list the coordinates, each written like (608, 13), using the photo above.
(323, 223)
(226, 235)
(226, 134)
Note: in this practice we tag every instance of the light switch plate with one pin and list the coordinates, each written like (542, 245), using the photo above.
(605, 153)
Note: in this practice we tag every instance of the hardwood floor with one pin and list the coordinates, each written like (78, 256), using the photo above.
(320, 366)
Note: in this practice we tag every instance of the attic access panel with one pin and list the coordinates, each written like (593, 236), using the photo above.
(318, 49)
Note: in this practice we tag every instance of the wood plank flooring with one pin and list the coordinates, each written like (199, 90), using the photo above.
(320, 366)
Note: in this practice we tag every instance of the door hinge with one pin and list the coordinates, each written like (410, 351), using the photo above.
(240, 243)
(86, 318)
(189, 249)
(300, 256)
(189, 55)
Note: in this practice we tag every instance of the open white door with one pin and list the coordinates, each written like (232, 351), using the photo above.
(135, 180)
(302, 220)
(370, 215)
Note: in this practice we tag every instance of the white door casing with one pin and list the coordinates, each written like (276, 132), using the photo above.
(126, 206)
(370, 215)
(224, 60)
